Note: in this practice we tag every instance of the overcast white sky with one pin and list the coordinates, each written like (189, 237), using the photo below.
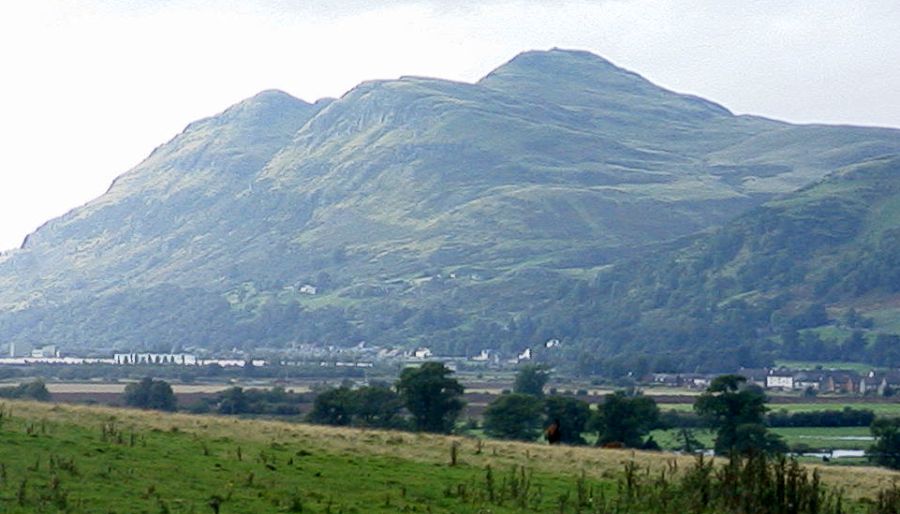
(89, 88)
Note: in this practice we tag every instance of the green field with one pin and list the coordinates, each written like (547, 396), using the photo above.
(887, 320)
(859, 367)
(880, 409)
(816, 438)
(845, 438)
(59, 458)
(667, 439)
(104, 460)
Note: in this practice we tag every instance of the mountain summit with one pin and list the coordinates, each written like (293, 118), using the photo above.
(418, 210)
(579, 79)
(570, 68)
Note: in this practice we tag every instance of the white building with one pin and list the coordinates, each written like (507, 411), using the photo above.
(226, 363)
(484, 356)
(46, 351)
(780, 382)
(181, 359)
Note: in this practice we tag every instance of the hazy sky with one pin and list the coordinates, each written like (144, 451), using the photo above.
(89, 88)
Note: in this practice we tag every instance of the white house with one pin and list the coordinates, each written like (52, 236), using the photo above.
(484, 356)
(779, 381)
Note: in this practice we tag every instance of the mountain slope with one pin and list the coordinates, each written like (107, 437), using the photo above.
(422, 210)
(164, 207)
(794, 278)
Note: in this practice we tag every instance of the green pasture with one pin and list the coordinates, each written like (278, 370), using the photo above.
(60, 458)
(669, 439)
(816, 438)
(844, 438)
(106, 464)
(879, 408)
(886, 320)
(859, 367)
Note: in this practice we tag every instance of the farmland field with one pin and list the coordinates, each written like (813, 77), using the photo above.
(848, 438)
(879, 408)
(816, 438)
(97, 459)
(106, 460)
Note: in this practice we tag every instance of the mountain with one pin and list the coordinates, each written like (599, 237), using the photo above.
(812, 275)
(421, 211)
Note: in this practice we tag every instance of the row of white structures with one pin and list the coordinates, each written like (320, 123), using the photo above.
(124, 359)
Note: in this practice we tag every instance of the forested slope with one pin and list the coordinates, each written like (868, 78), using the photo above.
(813, 275)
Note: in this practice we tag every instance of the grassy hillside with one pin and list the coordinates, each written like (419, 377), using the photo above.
(105, 460)
(91, 459)
(812, 275)
(424, 211)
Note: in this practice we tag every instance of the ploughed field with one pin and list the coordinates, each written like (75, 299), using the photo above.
(99, 459)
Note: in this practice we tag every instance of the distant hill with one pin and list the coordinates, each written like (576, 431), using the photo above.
(419, 211)
(813, 275)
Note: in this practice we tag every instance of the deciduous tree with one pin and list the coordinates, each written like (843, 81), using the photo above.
(36, 390)
(151, 394)
(625, 419)
(573, 415)
(514, 416)
(736, 412)
(333, 407)
(431, 396)
(233, 401)
(377, 406)
(531, 379)
(886, 449)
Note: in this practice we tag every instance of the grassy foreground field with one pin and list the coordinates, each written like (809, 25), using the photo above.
(93, 459)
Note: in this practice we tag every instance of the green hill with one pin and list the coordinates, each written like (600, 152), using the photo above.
(420, 210)
(813, 275)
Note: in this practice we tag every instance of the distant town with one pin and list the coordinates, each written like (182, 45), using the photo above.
(782, 379)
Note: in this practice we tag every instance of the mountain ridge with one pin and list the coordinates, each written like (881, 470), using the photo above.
(372, 196)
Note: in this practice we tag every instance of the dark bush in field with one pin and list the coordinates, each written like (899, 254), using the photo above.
(36, 390)
(848, 417)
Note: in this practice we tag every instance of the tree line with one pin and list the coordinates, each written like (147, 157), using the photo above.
(429, 394)
(730, 407)
(429, 399)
